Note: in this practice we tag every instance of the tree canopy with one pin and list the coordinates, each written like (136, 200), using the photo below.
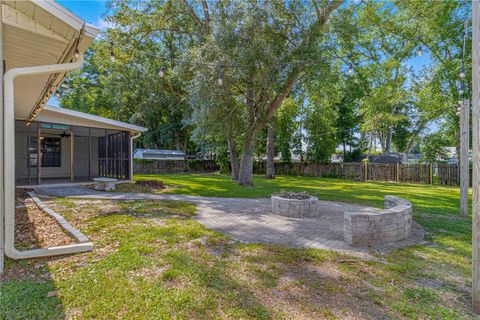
(330, 76)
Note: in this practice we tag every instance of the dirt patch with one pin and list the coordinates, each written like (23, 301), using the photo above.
(142, 186)
(151, 273)
(153, 184)
(305, 290)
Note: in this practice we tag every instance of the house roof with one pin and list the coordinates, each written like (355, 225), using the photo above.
(40, 33)
(72, 117)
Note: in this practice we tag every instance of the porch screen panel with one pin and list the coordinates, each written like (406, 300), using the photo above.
(113, 155)
(26, 153)
(81, 154)
(95, 138)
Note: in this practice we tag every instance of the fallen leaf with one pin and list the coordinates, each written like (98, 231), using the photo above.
(51, 294)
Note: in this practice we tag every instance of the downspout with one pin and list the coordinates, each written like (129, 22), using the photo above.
(131, 153)
(2, 253)
(9, 163)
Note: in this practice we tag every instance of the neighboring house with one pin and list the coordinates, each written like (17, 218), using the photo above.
(158, 154)
(451, 155)
(293, 157)
(40, 41)
(389, 157)
(414, 158)
(336, 158)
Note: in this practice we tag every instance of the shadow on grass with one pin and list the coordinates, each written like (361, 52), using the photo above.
(25, 285)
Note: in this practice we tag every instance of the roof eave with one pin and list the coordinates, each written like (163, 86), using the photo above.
(65, 15)
(95, 118)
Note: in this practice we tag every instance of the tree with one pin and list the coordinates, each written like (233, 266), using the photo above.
(255, 48)
(287, 125)
(230, 70)
(437, 29)
(433, 148)
(270, 169)
(320, 132)
(121, 79)
(217, 117)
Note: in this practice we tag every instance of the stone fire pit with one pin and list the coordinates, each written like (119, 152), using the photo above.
(294, 204)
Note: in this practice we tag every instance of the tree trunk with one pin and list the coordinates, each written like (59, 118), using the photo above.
(388, 139)
(246, 162)
(232, 148)
(270, 174)
(413, 139)
(177, 141)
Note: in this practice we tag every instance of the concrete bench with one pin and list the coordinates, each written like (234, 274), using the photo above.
(107, 184)
(394, 223)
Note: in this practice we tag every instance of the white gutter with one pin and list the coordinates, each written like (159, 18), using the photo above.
(9, 163)
(131, 153)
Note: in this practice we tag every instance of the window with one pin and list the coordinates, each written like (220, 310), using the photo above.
(50, 150)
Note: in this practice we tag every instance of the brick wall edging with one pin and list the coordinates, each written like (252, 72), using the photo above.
(64, 224)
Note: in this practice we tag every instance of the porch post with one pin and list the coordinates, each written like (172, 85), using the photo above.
(130, 154)
(29, 138)
(121, 171)
(72, 174)
(39, 156)
(89, 152)
(107, 163)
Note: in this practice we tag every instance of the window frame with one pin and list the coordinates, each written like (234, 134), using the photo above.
(46, 144)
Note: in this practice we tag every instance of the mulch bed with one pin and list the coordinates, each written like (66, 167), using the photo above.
(142, 186)
(153, 184)
(34, 228)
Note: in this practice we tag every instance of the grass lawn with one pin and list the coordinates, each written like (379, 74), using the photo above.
(426, 198)
(153, 261)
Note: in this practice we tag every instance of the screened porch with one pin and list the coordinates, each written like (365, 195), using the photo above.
(47, 153)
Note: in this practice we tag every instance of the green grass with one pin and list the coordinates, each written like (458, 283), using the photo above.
(426, 198)
(152, 261)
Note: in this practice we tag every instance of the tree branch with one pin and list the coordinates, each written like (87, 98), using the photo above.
(284, 92)
(322, 16)
(206, 15)
(192, 14)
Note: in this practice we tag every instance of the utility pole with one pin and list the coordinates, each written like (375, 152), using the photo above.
(464, 153)
(476, 155)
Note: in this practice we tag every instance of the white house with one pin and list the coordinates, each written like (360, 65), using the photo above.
(40, 41)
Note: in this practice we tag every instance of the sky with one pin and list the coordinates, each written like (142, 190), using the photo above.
(92, 11)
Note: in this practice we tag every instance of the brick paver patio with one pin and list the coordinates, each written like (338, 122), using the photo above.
(251, 220)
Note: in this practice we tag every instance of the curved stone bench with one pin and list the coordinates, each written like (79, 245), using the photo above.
(394, 223)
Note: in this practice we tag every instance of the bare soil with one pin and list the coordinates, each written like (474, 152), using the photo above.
(142, 186)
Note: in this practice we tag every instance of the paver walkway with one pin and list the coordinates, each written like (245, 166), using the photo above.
(251, 220)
